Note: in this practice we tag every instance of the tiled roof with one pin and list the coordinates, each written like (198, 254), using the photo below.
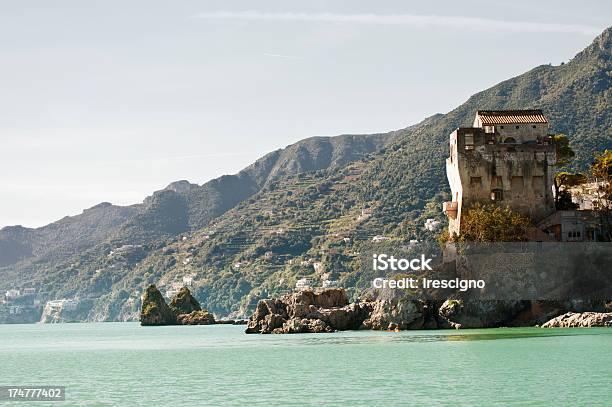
(510, 116)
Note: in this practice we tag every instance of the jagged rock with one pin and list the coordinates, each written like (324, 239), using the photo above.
(317, 326)
(539, 312)
(311, 311)
(294, 326)
(183, 310)
(154, 309)
(479, 314)
(269, 315)
(331, 298)
(196, 318)
(396, 314)
(306, 303)
(347, 317)
(184, 303)
(308, 311)
(580, 320)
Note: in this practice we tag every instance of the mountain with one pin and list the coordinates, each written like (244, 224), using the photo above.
(314, 224)
(308, 210)
(178, 208)
(68, 235)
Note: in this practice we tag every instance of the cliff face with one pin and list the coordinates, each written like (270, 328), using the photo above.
(53, 314)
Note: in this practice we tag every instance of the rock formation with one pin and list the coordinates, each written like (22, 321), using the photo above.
(184, 303)
(196, 318)
(154, 309)
(308, 311)
(184, 309)
(396, 314)
(329, 311)
(580, 320)
(480, 314)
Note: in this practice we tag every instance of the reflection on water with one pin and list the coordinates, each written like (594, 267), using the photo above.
(129, 336)
(354, 338)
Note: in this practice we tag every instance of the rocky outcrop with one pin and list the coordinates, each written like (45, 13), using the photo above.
(580, 320)
(154, 309)
(184, 309)
(396, 314)
(308, 311)
(328, 310)
(479, 314)
(196, 318)
(184, 303)
(539, 312)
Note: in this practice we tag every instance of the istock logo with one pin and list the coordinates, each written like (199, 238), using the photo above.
(383, 262)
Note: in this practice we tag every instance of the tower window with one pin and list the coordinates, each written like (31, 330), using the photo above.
(537, 183)
(469, 141)
(534, 126)
(518, 127)
(497, 195)
(475, 181)
(517, 185)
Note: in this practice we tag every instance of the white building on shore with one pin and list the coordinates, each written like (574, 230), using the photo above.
(63, 304)
(303, 284)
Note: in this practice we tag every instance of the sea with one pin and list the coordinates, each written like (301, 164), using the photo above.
(124, 364)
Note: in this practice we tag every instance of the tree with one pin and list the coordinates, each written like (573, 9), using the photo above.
(563, 181)
(565, 153)
(492, 223)
(601, 172)
(564, 156)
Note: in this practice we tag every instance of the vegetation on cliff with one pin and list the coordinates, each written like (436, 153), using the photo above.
(493, 223)
(184, 303)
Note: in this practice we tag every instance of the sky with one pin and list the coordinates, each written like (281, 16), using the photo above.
(112, 100)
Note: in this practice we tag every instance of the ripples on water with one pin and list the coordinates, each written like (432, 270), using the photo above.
(133, 336)
(125, 364)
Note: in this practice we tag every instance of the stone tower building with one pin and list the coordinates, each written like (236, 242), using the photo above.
(507, 157)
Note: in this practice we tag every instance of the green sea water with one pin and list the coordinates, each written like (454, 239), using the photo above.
(126, 364)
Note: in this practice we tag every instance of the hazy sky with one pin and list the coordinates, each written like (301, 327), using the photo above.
(111, 100)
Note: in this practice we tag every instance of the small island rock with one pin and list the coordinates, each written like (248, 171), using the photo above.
(196, 318)
(154, 309)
